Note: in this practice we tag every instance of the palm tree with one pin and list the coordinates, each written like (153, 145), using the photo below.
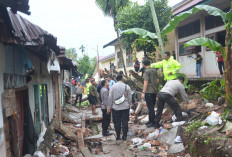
(110, 8)
(82, 48)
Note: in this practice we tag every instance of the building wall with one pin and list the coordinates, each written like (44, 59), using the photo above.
(40, 78)
(2, 67)
(209, 64)
(169, 46)
(106, 63)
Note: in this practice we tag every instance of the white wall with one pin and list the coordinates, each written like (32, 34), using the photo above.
(40, 78)
(2, 67)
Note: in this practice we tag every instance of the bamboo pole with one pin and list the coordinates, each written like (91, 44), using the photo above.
(59, 96)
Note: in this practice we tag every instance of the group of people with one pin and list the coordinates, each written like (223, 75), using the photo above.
(220, 62)
(116, 97)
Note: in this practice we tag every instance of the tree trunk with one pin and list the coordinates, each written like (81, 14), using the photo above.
(156, 24)
(228, 64)
(120, 47)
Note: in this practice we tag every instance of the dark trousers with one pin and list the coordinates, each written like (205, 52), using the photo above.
(220, 66)
(172, 103)
(150, 100)
(105, 120)
(80, 99)
(120, 119)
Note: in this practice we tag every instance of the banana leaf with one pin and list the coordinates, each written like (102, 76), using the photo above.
(141, 32)
(182, 16)
(213, 45)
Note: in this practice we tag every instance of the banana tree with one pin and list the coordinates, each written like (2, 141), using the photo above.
(215, 46)
(206, 42)
(156, 24)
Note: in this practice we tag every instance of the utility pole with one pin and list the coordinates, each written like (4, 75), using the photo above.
(156, 24)
(97, 59)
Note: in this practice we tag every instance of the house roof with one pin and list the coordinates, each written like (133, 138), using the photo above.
(25, 33)
(107, 57)
(17, 5)
(112, 43)
(186, 4)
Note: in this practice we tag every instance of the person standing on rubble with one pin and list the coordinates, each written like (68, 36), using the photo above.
(120, 99)
(111, 82)
(170, 66)
(166, 95)
(106, 112)
(79, 91)
(149, 91)
(92, 97)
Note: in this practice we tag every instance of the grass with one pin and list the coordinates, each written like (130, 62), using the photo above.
(194, 126)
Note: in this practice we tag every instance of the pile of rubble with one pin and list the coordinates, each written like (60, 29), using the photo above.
(81, 135)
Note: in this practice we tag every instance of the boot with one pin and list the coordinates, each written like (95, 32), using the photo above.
(106, 133)
(118, 136)
(124, 136)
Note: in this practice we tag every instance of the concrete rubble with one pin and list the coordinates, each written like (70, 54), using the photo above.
(81, 133)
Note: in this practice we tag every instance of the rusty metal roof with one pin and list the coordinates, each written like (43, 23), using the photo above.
(17, 5)
(28, 34)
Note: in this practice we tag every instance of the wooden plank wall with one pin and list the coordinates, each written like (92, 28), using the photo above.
(9, 109)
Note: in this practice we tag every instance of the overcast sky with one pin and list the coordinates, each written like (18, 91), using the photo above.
(76, 22)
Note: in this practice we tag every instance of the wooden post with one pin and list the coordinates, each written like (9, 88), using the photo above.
(59, 92)
(71, 86)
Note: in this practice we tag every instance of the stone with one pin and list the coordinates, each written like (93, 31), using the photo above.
(155, 143)
(169, 136)
(94, 137)
(176, 148)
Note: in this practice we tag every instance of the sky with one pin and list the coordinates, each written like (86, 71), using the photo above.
(76, 22)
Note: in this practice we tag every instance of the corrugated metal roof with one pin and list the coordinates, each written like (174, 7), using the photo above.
(17, 5)
(107, 57)
(28, 34)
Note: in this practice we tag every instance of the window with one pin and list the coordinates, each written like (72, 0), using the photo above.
(189, 29)
(187, 50)
(119, 60)
(213, 22)
(219, 37)
(129, 59)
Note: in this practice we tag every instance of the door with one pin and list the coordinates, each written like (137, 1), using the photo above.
(37, 110)
(21, 100)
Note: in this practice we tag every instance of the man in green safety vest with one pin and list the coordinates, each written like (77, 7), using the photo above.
(170, 66)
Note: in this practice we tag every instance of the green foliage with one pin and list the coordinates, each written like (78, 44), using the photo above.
(194, 126)
(180, 17)
(86, 103)
(136, 16)
(208, 140)
(111, 7)
(86, 65)
(213, 45)
(191, 149)
(141, 32)
(71, 53)
(212, 90)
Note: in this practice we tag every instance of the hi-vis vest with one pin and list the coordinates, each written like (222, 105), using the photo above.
(87, 88)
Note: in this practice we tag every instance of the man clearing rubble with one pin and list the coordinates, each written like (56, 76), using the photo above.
(170, 66)
(166, 95)
(149, 90)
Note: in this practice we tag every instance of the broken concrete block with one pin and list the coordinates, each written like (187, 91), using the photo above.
(139, 108)
(85, 151)
(169, 136)
(176, 148)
